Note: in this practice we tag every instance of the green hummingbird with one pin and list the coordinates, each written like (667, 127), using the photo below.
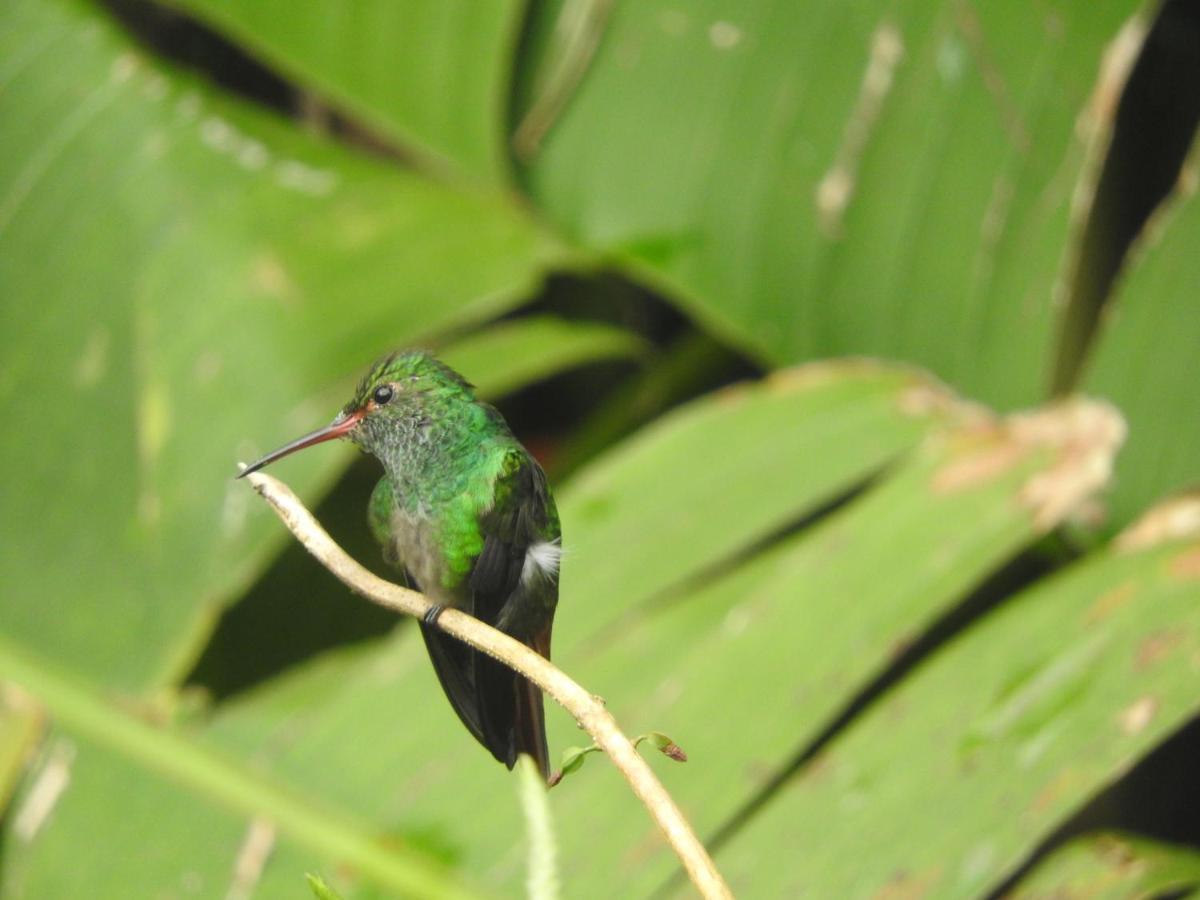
(465, 512)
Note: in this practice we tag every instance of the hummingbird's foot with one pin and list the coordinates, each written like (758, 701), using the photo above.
(434, 613)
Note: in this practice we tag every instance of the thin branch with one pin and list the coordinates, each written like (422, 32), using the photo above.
(587, 710)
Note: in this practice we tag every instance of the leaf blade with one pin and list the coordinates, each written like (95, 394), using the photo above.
(430, 75)
(195, 273)
(872, 179)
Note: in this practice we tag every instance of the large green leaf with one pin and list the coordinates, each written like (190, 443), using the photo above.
(108, 773)
(782, 644)
(432, 74)
(182, 274)
(1145, 361)
(1003, 734)
(91, 807)
(827, 177)
(685, 495)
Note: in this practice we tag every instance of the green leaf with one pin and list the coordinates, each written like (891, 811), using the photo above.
(429, 74)
(90, 823)
(783, 643)
(662, 744)
(367, 729)
(822, 178)
(116, 752)
(1112, 867)
(1005, 732)
(708, 480)
(1144, 361)
(192, 281)
(574, 757)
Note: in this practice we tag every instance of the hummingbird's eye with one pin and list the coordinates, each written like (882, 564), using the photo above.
(383, 394)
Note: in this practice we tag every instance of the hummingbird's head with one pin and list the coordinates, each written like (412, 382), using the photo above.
(399, 396)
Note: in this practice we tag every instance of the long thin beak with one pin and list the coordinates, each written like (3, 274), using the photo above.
(340, 426)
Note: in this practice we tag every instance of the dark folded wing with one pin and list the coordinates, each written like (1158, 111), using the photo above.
(510, 708)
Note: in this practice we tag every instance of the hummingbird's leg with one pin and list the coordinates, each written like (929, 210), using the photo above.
(430, 618)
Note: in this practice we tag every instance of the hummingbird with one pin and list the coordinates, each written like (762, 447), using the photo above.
(465, 513)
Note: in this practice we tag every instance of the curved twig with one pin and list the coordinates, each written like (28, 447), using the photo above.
(587, 710)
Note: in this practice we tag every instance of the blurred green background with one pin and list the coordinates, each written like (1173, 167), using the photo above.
(859, 341)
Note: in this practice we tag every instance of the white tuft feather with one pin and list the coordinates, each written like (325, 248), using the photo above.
(541, 559)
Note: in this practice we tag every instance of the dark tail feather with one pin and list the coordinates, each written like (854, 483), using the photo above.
(531, 719)
(511, 711)
(531, 725)
(453, 664)
(501, 709)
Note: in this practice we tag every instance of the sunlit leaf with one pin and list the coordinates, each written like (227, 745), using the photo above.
(1007, 730)
(819, 178)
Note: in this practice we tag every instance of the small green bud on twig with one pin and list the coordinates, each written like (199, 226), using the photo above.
(573, 757)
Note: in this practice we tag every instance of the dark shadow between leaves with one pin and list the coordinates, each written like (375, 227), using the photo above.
(1153, 129)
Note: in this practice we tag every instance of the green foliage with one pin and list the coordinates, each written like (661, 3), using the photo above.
(1114, 867)
(1144, 361)
(572, 760)
(828, 177)
(827, 582)
(1007, 731)
(115, 760)
(510, 355)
